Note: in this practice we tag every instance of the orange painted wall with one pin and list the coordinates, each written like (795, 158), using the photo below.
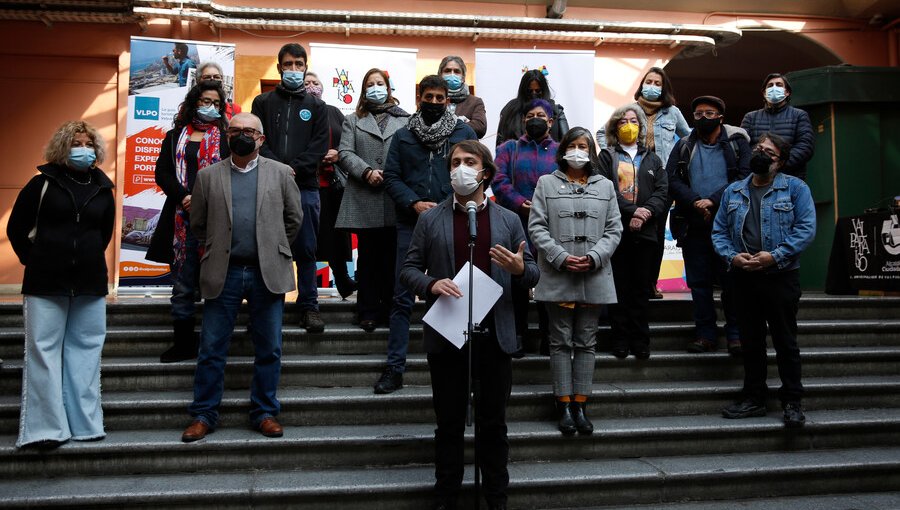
(49, 75)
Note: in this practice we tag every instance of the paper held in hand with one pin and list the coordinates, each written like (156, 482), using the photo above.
(449, 316)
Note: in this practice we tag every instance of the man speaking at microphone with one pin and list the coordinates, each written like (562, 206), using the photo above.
(438, 250)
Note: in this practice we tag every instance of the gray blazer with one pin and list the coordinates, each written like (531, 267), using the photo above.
(431, 252)
(363, 146)
(570, 219)
(278, 218)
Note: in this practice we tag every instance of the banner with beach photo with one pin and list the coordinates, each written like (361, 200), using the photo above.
(160, 74)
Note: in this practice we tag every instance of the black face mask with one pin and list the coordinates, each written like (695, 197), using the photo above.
(537, 94)
(536, 128)
(706, 126)
(242, 145)
(760, 163)
(432, 112)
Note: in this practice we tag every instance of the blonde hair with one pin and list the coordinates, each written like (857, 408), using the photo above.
(57, 150)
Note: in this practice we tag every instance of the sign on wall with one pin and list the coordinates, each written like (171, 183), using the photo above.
(341, 69)
(570, 75)
(161, 73)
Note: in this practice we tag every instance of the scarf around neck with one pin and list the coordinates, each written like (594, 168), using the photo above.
(651, 109)
(435, 135)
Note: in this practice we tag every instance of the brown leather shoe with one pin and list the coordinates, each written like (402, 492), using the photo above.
(271, 428)
(196, 431)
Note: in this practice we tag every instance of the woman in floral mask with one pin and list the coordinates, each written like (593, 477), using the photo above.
(575, 226)
(641, 190)
(195, 142)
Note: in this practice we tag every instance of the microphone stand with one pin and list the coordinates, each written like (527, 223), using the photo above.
(473, 384)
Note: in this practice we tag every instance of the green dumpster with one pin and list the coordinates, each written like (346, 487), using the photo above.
(855, 114)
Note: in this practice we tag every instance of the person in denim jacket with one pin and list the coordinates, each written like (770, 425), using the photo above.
(763, 225)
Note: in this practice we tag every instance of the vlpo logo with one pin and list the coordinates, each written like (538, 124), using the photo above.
(146, 108)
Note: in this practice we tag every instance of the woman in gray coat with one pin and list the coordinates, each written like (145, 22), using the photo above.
(366, 209)
(575, 226)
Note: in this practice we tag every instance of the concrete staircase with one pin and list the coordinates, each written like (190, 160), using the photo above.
(660, 441)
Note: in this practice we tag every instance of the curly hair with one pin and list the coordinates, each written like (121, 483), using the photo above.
(57, 150)
(187, 111)
(612, 125)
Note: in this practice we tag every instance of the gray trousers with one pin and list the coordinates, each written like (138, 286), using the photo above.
(573, 337)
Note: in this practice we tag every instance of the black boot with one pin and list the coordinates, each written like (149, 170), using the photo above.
(186, 342)
(566, 421)
(582, 423)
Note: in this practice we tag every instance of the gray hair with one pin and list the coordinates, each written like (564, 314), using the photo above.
(612, 132)
(452, 58)
(204, 65)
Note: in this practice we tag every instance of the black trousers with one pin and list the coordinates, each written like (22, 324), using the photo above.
(449, 382)
(333, 244)
(376, 254)
(769, 299)
(633, 272)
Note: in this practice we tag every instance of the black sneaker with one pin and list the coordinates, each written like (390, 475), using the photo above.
(793, 416)
(389, 382)
(746, 409)
(312, 321)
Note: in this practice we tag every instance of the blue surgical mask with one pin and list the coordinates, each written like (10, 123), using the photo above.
(377, 94)
(454, 81)
(81, 158)
(208, 113)
(775, 94)
(292, 80)
(651, 92)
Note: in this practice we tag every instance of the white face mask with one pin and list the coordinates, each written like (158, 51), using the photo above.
(577, 158)
(464, 180)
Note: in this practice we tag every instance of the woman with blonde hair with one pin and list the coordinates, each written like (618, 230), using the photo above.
(59, 227)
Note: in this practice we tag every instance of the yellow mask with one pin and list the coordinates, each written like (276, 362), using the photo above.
(628, 133)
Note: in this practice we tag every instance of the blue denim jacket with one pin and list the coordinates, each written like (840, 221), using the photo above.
(787, 220)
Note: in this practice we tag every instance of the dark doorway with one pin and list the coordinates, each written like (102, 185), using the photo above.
(736, 72)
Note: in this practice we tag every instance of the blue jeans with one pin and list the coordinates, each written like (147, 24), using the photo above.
(219, 314)
(61, 377)
(185, 280)
(304, 249)
(703, 267)
(398, 338)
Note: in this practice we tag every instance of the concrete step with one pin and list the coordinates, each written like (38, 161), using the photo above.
(347, 446)
(646, 480)
(308, 406)
(140, 374)
(347, 338)
(855, 501)
(675, 307)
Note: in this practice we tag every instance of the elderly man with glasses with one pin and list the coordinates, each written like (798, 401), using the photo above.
(247, 256)
(700, 167)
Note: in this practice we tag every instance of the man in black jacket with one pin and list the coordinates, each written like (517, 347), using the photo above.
(700, 167)
(296, 127)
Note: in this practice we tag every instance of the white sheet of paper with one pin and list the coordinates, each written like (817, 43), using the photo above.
(449, 316)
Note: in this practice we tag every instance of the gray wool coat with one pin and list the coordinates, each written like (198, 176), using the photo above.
(570, 219)
(364, 146)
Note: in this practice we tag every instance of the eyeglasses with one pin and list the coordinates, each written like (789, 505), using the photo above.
(205, 101)
(216, 77)
(249, 132)
(709, 114)
(768, 152)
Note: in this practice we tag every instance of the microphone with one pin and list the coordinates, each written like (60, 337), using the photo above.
(473, 228)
